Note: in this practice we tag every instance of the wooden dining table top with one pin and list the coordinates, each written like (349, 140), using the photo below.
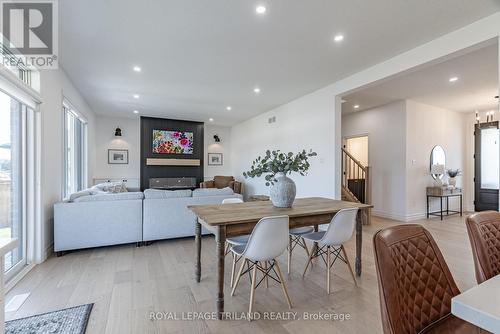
(237, 213)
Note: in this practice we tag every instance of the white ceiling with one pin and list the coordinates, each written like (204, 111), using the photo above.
(199, 56)
(475, 89)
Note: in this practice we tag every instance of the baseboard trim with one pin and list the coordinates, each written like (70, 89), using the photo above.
(416, 216)
(388, 215)
(16, 279)
(49, 251)
(405, 218)
(398, 217)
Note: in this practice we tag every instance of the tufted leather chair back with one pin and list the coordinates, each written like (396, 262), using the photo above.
(415, 284)
(484, 235)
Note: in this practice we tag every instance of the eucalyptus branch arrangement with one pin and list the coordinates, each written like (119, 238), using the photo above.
(454, 172)
(274, 162)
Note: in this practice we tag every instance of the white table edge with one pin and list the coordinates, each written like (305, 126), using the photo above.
(478, 317)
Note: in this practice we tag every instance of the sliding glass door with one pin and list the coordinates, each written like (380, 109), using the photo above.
(12, 178)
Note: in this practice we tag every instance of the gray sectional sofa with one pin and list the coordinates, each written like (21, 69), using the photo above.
(93, 219)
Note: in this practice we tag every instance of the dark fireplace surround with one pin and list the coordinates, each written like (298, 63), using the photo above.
(155, 172)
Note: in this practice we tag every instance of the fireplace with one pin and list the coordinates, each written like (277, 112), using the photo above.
(181, 170)
(172, 183)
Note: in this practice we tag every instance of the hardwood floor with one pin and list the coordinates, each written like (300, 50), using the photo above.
(126, 284)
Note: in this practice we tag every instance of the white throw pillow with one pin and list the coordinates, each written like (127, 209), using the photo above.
(111, 187)
(79, 194)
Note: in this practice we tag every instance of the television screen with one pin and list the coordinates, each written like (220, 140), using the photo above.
(172, 142)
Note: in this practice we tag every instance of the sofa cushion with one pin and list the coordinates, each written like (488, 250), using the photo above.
(222, 181)
(212, 192)
(111, 197)
(159, 194)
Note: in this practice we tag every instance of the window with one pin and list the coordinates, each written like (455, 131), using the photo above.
(75, 148)
(489, 158)
(14, 116)
(30, 76)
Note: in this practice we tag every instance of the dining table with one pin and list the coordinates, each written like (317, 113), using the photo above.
(231, 220)
(480, 305)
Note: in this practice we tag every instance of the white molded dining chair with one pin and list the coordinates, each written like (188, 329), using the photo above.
(234, 241)
(268, 240)
(331, 241)
(295, 239)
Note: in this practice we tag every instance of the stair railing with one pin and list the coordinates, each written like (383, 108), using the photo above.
(353, 169)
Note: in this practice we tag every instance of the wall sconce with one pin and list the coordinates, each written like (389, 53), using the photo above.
(118, 132)
(217, 138)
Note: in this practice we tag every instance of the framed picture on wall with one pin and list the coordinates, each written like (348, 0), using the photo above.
(117, 157)
(215, 159)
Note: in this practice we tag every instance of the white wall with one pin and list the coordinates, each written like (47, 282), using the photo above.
(306, 123)
(386, 130)
(54, 86)
(105, 139)
(130, 140)
(401, 137)
(224, 147)
(428, 126)
(320, 112)
(358, 147)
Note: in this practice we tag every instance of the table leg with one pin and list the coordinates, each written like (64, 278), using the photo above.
(220, 238)
(315, 244)
(359, 241)
(427, 207)
(197, 246)
(461, 206)
(441, 202)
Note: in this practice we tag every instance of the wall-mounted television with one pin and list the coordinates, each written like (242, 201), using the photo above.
(172, 142)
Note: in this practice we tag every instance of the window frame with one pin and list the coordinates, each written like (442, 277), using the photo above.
(68, 108)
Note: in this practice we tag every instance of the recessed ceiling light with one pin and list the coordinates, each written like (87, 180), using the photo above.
(338, 38)
(356, 106)
(229, 108)
(261, 9)
(453, 79)
(256, 90)
(210, 119)
(137, 69)
(136, 111)
(136, 96)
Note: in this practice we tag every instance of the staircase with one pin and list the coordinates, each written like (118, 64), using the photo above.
(356, 185)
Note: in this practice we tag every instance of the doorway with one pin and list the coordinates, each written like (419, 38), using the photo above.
(486, 166)
(355, 150)
(358, 148)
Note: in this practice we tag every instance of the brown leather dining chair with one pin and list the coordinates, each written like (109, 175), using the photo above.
(484, 236)
(415, 284)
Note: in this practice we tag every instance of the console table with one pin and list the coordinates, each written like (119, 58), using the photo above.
(443, 193)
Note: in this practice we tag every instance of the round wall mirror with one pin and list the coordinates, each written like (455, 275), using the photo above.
(438, 159)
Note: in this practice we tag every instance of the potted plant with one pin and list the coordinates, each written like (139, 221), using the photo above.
(452, 176)
(275, 165)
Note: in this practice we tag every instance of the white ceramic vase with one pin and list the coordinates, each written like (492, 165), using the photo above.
(283, 191)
